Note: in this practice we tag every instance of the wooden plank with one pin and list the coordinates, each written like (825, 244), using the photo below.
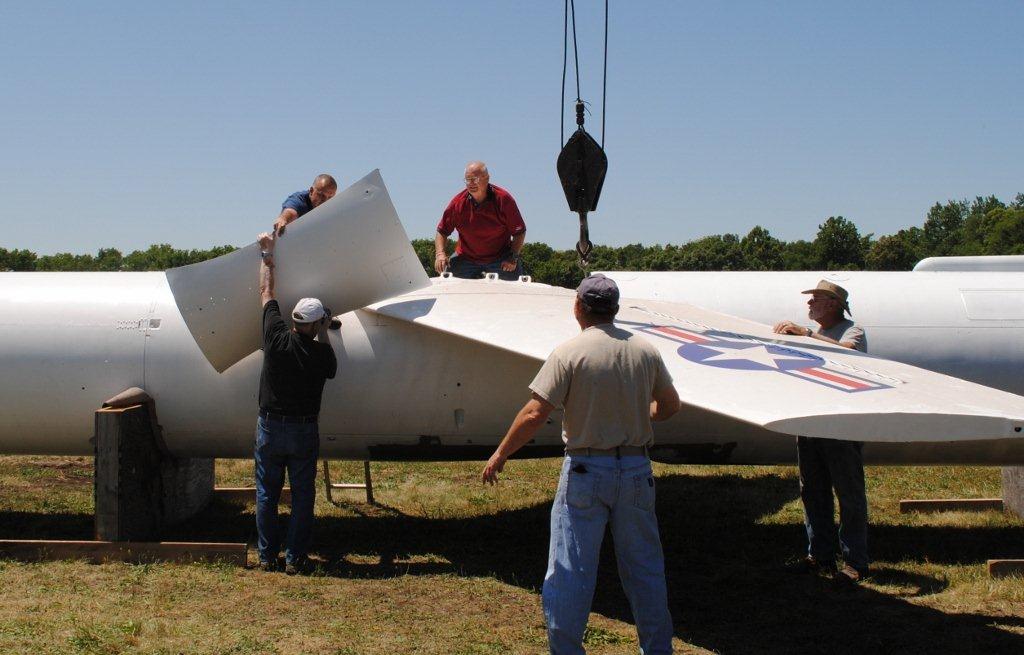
(246, 494)
(1003, 568)
(118, 410)
(952, 505)
(124, 551)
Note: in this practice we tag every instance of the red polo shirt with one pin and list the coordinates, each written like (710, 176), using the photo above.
(485, 229)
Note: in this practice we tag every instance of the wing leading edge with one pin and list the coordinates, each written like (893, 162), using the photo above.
(731, 366)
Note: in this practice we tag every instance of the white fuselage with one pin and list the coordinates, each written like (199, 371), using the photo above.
(408, 392)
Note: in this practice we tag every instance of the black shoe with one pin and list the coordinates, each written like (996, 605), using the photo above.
(851, 575)
(268, 567)
(811, 566)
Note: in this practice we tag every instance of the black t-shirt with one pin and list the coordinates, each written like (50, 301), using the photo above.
(295, 367)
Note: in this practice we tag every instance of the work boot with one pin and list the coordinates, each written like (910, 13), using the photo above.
(810, 566)
(299, 566)
(851, 575)
(268, 567)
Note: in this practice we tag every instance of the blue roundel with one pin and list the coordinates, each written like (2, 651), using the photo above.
(749, 356)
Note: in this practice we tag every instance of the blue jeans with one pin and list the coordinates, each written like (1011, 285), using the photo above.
(593, 491)
(293, 447)
(462, 267)
(826, 464)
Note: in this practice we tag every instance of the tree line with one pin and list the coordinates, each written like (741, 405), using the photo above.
(983, 226)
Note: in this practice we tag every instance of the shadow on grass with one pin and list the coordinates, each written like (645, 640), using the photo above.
(727, 590)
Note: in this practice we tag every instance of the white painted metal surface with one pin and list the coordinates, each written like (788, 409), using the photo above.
(348, 252)
(968, 325)
(987, 263)
(733, 366)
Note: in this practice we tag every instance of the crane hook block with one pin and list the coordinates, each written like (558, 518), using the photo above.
(582, 166)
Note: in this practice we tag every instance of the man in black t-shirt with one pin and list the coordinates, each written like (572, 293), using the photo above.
(296, 363)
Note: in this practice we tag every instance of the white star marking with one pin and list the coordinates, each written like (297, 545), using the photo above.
(758, 353)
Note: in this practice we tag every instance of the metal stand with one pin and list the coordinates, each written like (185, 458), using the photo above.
(368, 484)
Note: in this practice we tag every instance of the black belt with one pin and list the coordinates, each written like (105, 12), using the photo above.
(617, 452)
(281, 418)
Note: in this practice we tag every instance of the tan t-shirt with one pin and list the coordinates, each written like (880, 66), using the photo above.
(847, 330)
(604, 379)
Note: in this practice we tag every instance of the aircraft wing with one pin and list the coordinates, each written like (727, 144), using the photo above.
(349, 251)
(731, 366)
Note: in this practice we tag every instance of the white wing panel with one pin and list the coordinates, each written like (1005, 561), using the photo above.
(734, 367)
(349, 251)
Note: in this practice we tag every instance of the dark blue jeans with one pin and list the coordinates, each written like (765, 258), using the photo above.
(826, 464)
(279, 447)
(462, 267)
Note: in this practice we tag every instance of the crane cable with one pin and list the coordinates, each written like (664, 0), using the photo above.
(582, 164)
(570, 7)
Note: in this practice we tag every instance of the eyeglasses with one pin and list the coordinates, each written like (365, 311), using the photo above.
(472, 179)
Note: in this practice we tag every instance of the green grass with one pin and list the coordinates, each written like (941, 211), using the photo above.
(445, 565)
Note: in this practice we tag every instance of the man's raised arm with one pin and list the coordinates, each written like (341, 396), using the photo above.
(266, 241)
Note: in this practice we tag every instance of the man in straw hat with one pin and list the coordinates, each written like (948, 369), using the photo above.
(827, 464)
(611, 384)
(296, 364)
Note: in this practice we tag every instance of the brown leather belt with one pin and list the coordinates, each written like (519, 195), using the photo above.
(617, 452)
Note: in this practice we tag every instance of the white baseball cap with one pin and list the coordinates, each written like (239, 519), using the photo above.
(309, 310)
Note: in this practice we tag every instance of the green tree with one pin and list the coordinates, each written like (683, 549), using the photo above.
(721, 252)
(761, 251)
(838, 245)
(108, 259)
(943, 228)
(897, 252)
(560, 269)
(216, 251)
(65, 261)
(17, 260)
(1005, 235)
(162, 256)
(534, 256)
(799, 256)
(983, 205)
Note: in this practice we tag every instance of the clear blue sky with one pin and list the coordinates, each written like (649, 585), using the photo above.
(188, 123)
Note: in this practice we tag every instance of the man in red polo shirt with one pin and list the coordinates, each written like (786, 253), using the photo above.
(491, 229)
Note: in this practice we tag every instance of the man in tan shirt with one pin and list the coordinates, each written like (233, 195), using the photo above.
(611, 384)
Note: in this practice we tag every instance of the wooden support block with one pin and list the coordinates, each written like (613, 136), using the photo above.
(246, 494)
(127, 485)
(1003, 568)
(124, 551)
(1013, 489)
(952, 505)
(139, 487)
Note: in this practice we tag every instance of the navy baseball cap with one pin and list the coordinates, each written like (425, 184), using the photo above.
(599, 294)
